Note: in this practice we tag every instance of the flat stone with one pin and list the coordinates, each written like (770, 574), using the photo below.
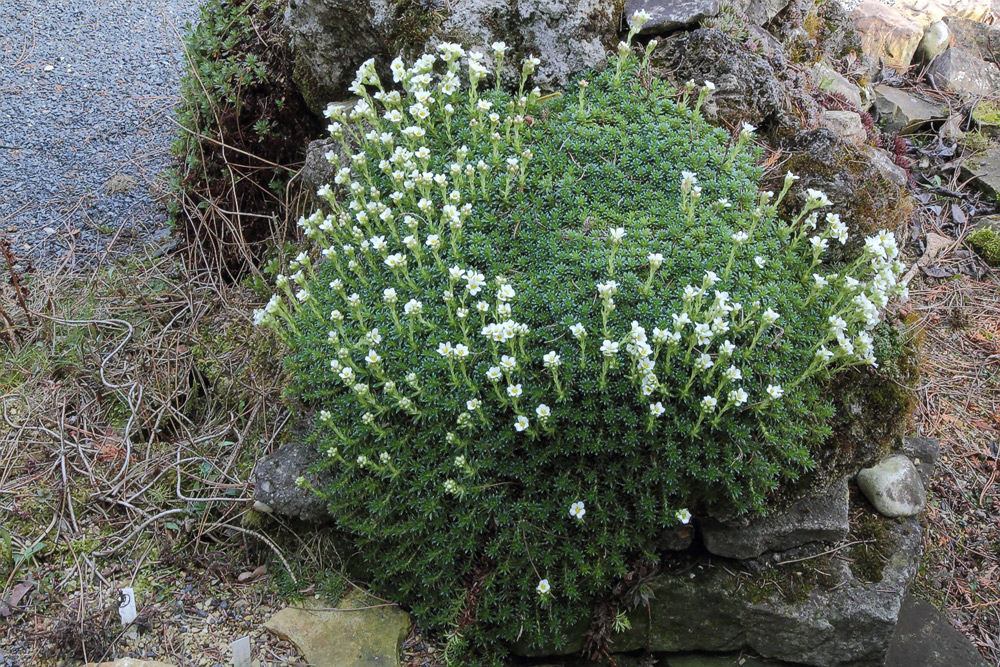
(669, 15)
(984, 172)
(886, 33)
(937, 38)
(979, 39)
(847, 124)
(833, 620)
(960, 71)
(925, 637)
(894, 487)
(819, 519)
(880, 159)
(274, 482)
(923, 451)
(369, 637)
(828, 79)
(903, 112)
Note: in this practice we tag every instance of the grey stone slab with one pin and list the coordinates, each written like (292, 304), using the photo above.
(903, 112)
(832, 81)
(983, 172)
(819, 519)
(960, 71)
(667, 16)
(979, 39)
(925, 638)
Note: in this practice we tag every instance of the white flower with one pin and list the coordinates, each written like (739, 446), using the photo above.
(683, 516)
(373, 337)
(543, 411)
(607, 290)
(372, 357)
(508, 363)
(445, 349)
(577, 510)
(709, 86)
(775, 391)
(346, 373)
(617, 234)
(770, 316)
(708, 403)
(738, 396)
(521, 423)
(505, 293)
(824, 354)
(655, 259)
(656, 409)
(543, 587)
(412, 307)
(473, 404)
(514, 390)
(389, 295)
(494, 374)
(638, 19)
(748, 129)
(759, 261)
(551, 359)
(578, 331)
(460, 351)
(740, 237)
(609, 348)
(817, 197)
(733, 373)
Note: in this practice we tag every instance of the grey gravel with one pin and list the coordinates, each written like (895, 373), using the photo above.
(87, 95)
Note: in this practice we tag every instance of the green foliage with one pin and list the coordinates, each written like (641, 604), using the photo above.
(986, 242)
(461, 491)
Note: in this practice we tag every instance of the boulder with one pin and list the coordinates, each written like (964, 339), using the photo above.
(822, 518)
(937, 38)
(924, 452)
(746, 87)
(360, 632)
(886, 33)
(331, 38)
(960, 71)
(893, 487)
(830, 80)
(983, 172)
(902, 112)
(846, 124)
(668, 15)
(274, 483)
(818, 611)
(979, 39)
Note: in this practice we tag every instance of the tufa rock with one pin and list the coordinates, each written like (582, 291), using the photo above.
(354, 636)
(902, 112)
(668, 15)
(274, 483)
(846, 124)
(822, 518)
(937, 38)
(925, 636)
(886, 33)
(959, 71)
(746, 86)
(893, 487)
(331, 38)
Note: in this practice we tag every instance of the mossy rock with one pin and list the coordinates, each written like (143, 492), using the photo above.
(985, 240)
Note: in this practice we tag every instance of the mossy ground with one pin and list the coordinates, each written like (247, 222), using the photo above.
(986, 242)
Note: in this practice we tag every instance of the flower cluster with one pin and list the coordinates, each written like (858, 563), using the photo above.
(543, 376)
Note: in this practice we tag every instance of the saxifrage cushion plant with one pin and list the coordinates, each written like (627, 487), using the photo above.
(536, 330)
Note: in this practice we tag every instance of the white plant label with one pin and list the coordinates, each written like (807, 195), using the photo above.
(241, 652)
(126, 606)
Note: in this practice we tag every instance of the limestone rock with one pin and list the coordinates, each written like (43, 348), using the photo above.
(274, 482)
(746, 86)
(925, 636)
(960, 71)
(830, 80)
(886, 33)
(819, 519)
(358, 638)
(984, 172)
(903, 112)
(979, 39)
(883, 163)
(893, 487)
(937, 38)
(847, 124)
(669, 15)
(835, 620)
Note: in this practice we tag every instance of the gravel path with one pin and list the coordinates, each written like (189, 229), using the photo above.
(87, 91)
